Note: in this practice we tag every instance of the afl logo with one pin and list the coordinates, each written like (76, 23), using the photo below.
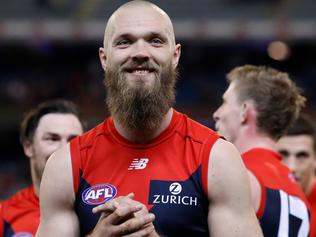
(98, 194)
(22, 234)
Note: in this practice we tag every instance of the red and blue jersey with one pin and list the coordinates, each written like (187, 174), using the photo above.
(283, 210)
(312, 202)
(167, 174)
(1, 222)
(20, 214)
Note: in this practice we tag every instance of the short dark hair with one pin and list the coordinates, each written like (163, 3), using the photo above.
(31, 118)
(303, 125)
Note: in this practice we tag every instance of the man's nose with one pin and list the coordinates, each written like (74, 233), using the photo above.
(63, 142)
(291, 163)
(215, 115)
(140, 51)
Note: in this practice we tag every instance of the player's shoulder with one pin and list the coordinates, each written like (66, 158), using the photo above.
(87, 138)
(26, 195)
(226, 171)
(195, 130)
(224, 158)
(224, 150)
(58, 161)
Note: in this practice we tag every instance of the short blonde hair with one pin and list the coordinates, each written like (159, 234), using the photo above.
(276, 97)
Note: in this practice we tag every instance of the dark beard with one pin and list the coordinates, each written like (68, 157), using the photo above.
(140, 108)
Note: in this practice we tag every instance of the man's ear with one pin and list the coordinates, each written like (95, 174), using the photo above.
(248, 112)
(102, 56)
(314, 163)
(176, 56)
(28, 149)
(244, 111)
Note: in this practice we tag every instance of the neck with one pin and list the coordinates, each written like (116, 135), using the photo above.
(247, 141)
(35, 180)
(144, 135)
(307, 187)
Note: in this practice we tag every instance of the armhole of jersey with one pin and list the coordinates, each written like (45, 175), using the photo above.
(75, 162)
(207, 147)
(262, 199)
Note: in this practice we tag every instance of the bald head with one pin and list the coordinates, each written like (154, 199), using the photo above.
(137, 10)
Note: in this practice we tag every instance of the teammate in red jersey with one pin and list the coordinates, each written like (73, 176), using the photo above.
(43, 130)
(298, 149)
(259, 104)
(175, 167)
(1, 222)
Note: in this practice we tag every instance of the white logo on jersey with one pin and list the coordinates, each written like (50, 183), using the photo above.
(22, 234)
(175, 188)
(138, 164)
(172, 199)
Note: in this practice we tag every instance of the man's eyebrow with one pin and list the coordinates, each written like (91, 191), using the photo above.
(302, 153)
(149, 34)
(157, 34)
(51, 134)
(283, 151)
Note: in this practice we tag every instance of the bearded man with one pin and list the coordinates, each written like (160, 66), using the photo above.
(148, 170)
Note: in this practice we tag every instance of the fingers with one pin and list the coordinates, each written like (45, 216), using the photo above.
(130, 195)
(110, 206)
(124, 216)
(138, 226)
(106, 207)
(142, 233)
(122, 212)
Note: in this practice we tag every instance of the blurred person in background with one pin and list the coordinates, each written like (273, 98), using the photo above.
(259, 104)
(298, 149)
(146, 148)
(44, 129)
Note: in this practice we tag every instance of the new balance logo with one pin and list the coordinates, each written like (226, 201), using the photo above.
(138, 164)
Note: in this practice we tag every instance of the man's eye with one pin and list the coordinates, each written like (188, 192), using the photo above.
(53, 139)
(284, 154)
(123, 42)
(302, 155)
(156, 41)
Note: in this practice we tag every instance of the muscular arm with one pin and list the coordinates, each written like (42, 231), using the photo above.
(230, 210)
(57, 198)
(255, 191)
(58, 217)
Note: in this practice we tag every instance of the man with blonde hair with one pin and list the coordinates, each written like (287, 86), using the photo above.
(258, 106)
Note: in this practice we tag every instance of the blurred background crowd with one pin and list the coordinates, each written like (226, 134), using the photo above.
(49, 49)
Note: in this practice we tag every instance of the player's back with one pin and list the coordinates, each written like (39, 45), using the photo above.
(283, 209)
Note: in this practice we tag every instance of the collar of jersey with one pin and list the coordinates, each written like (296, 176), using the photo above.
(262, 151)
(157, 140)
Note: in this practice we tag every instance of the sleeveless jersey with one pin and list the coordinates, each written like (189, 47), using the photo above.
(168, 174)
(283, 208)
(1, 221)
(20, 214)
(312, 202)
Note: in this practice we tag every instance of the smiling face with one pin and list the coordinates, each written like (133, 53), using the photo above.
(53, 131)
(140, 59)
(226, 117)
(298, 154)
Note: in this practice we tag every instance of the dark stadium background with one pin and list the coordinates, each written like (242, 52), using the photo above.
(49, 49)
